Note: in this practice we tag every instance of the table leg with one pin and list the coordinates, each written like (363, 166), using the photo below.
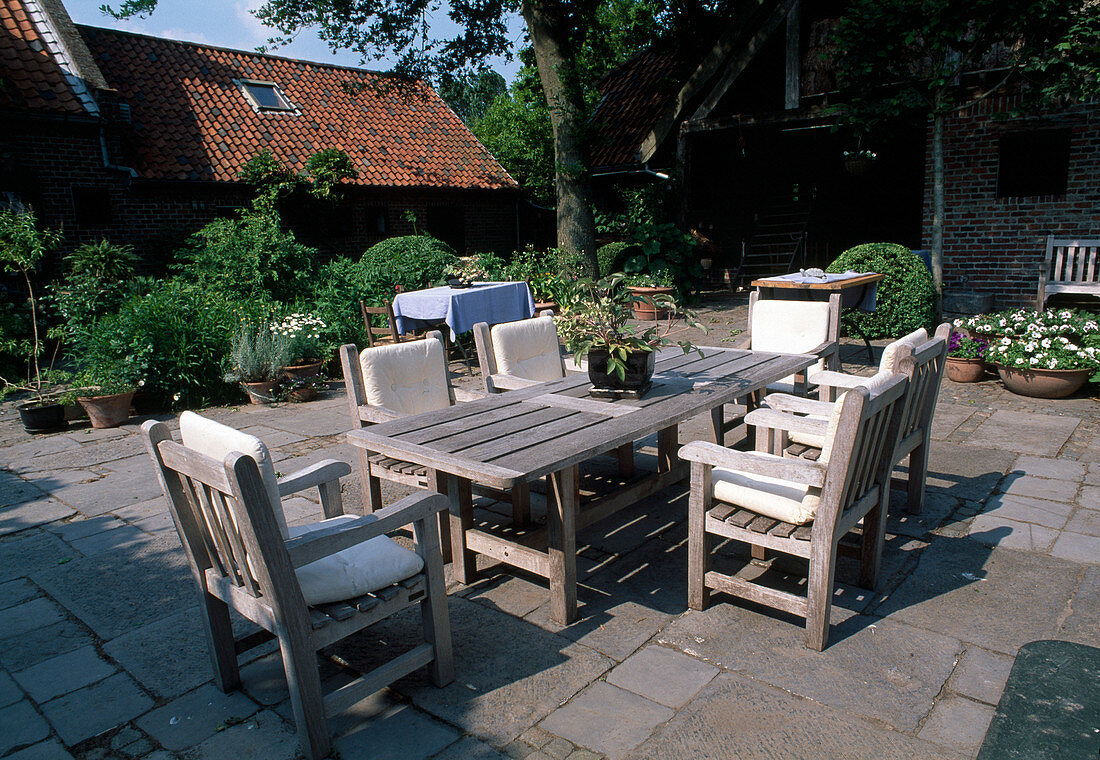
(718, 424)
(463, 562)
(625, 454)
(668, 441)
(437, 482)
(562, 533)
(369, 486)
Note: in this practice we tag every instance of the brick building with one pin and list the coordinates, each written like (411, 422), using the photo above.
(140, 140)
(766, 186)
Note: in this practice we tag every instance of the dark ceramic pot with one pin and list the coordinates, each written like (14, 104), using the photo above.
(639, 369)
(42, 418)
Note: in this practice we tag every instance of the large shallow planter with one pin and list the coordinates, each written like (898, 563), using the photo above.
(42, 418)
(639, 370)
(1043, 383)
(107, 411)
(646, 310)
(260, 393)
(964, 370)
(541, 306)
(302, 371)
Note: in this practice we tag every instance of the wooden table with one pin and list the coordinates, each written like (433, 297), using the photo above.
(548, 430)
(853, 290)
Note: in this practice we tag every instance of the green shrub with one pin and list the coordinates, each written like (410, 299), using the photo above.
(406, 263)
(906, 296)
(341, 284)
(249, 258)
(99, 277)
(612, 256)
(182, 333)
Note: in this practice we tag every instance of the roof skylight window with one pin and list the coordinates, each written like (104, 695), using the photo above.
(265, 96)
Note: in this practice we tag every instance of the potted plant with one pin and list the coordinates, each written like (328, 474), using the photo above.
(257, 359)
(965, 358)
(595, 325)
(656, 283)
(1049, 354)
(859, 161)
(299, 336)
(105, 391)
(22, 248)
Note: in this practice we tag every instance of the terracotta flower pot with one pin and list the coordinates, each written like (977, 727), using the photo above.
(260, 393)
(645, 310)
(107, 411)
(305, 393)
(302, 371)
(964, 370)
(1043, 383)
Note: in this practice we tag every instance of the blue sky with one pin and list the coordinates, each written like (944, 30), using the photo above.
(228, 23)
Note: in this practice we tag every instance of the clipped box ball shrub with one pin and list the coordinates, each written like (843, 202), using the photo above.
(612, 256)
(410, 262)
(906, 296)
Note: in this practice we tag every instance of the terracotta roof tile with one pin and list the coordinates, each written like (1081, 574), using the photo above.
(30, 79)
(633, 98)
(191, 119)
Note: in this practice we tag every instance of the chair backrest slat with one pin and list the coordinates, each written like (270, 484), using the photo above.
(214, 543)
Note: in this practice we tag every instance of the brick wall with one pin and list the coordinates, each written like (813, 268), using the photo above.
(56, 166)
(996, 244)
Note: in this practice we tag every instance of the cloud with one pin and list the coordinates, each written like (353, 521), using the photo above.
(187, 35)
(249, 23)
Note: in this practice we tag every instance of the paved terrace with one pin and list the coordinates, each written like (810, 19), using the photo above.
(102, 654)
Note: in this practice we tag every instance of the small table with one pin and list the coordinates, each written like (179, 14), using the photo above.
(462, 308)
(857, 291)
(547, 430)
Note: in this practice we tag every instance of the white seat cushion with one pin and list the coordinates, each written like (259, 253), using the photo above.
(355, 571)
(528, 348)
(789, 327)
(216, 440)
(913, 339)
(407, 378)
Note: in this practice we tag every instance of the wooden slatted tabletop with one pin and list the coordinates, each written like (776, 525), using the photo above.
(547, 430)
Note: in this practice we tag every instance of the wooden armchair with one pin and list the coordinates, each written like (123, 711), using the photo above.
(519, 354)
(796, 506)
(390, 382)
(307, 586)
(918, 357)
(377, 335)
(795, 327)
(1070, 266)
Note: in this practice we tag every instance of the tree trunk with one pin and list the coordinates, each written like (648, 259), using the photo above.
(576, 224)
(938, 205)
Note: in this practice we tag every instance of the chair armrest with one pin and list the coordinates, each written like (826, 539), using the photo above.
(828, 348)
(370, 413)
(318, 474)
(838, 379)
(461, 394)
(512, 383)
(326, 541)
(774, 420)
(784, 402)
(755, 462)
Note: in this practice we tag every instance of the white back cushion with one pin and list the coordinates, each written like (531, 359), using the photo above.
(528, 348)
(217, 441)
(789, 327)
(407, 378)
(889, 354)
(355, 571)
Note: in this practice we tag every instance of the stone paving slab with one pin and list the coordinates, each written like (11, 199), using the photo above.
(64, 673)
(195, 716)
(663, 675)
(402, 733)
(1024, 432)
(176, 665)
(20, 726)
(981, 675)
(876, 668)
(958, 723)
(607, 719)
(973, 593)
(738, 717)
(47, 750)
(94, 709)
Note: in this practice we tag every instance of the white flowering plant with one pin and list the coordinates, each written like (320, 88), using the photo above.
(300, 336)
(1052, 339)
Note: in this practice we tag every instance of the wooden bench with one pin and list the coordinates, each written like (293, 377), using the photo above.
(1070, 267)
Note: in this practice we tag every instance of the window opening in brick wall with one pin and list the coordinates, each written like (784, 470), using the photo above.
(92, 206)
(265, 96)
(448, 223)
(1033, 163)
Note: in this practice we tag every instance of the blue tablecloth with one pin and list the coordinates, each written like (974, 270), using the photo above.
(462, 308)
